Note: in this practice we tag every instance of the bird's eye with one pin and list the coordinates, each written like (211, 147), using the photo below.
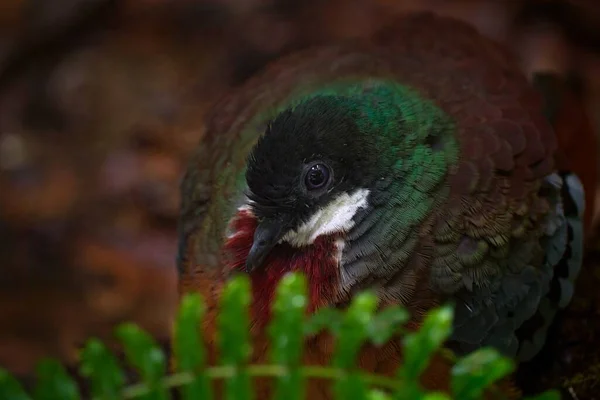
(317, 176)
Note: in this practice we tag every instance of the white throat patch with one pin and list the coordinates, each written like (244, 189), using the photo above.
(334, 217)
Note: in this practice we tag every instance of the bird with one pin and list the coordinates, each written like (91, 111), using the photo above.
(419, 164)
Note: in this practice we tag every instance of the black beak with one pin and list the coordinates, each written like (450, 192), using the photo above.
(266, 236)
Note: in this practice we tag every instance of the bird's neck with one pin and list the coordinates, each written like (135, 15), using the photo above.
(385, 251)
(318, 261)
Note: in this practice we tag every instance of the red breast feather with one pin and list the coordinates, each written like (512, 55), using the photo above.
(319, 262)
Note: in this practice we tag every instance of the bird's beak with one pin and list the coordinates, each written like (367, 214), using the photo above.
(266, 236)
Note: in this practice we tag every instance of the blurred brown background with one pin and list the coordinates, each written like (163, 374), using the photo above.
(102, 101)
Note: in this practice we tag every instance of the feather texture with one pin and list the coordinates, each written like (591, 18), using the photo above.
(473, 212)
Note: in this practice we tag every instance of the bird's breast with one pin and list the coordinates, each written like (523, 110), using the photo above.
(318, 261)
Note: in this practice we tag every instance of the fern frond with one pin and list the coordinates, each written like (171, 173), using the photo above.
(193, 378)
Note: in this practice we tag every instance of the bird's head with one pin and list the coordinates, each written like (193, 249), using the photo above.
(325, 164)
(309, 175)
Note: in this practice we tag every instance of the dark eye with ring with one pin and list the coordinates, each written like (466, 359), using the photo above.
(317, 176)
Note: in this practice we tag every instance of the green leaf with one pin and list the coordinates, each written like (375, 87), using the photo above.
(10, 388)
(142, 352)
(101, 367)
(477, 371)
(188, 347)
(354, 329)
(549, 395)
(420, 346)
(53, 382)
(436, 396)
(378, 395)
(410, 390)
(351, 387)
(324, 318)
(234, 336)
(349, 340)
(286, 335)
(386, 323)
